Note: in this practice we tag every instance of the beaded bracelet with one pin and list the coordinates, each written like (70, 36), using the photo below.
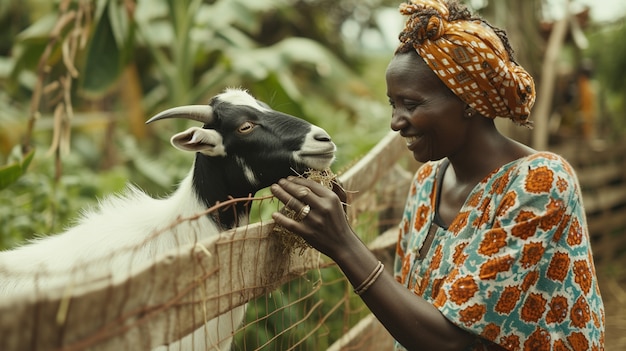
(370, 279)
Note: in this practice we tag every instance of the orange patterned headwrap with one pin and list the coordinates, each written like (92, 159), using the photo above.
(470, 58)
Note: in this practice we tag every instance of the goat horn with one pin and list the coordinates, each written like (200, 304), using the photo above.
(200, 113)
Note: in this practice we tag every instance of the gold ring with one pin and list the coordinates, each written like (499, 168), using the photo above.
(306, 209)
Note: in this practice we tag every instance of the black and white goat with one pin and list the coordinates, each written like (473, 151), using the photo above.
(242, 147)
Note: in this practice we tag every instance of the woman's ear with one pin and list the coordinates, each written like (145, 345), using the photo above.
(469, 112)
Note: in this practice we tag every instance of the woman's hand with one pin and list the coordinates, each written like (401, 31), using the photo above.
(326, 226)
(414, 322)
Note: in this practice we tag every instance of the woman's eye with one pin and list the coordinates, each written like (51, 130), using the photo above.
(245, 128)
(411, 105)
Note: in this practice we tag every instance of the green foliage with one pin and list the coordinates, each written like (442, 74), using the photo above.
(35, 205)
(184, 51)
(608, 55)
(10, 173)
(309, 313)
(109, 49)
(30, 45)
(605, 65)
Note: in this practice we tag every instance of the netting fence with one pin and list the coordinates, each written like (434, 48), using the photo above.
(242, 289)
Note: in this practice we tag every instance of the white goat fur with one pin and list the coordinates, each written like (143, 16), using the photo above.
(115, 237)
(103, 234)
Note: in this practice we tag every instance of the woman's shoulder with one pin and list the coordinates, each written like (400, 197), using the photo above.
(541, 169)
(546, 161)
(544, 172)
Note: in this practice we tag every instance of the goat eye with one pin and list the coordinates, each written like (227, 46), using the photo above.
(246, 127)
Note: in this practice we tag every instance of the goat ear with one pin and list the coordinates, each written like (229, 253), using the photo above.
(206, 141)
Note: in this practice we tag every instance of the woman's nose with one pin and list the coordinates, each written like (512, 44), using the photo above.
(398, 121)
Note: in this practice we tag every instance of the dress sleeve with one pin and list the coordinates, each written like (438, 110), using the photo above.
(520, 272)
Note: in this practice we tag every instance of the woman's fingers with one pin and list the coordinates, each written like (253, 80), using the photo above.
(287, 193)
(286, 222)
(322, 191)
(323, 225)
(285, 190)
(288, 196)
(309, 185)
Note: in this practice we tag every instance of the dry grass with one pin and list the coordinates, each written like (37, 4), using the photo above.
(290, 241)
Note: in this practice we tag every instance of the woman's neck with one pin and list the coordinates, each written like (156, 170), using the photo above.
(486, 151)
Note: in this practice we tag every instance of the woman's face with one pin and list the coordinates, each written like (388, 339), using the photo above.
(425, 112)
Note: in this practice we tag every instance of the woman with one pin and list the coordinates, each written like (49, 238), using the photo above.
(493, 250)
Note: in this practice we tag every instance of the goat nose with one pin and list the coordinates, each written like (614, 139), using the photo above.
(322, 136)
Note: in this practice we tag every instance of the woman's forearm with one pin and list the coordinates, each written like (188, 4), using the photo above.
(411, 320)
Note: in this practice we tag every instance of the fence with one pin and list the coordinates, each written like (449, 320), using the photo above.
(161, 302)
(177, 293)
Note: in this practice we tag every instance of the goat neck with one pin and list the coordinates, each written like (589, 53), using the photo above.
(212, 187)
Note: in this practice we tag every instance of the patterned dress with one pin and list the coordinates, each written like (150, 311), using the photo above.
(515, 266)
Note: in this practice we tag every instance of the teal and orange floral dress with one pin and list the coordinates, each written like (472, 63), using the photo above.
(515, 266)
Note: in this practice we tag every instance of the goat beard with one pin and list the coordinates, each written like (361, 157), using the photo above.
(289, 241)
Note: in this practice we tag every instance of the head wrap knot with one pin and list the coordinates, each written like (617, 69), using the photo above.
(430, 19)
(469, 57)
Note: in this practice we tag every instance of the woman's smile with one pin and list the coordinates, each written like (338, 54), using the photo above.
(411, 141)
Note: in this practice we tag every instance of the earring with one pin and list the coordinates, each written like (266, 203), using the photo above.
(469, 112)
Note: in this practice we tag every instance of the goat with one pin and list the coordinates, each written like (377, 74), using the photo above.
(242, 147)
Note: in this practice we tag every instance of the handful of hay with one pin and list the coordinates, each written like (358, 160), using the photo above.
(290, 241)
